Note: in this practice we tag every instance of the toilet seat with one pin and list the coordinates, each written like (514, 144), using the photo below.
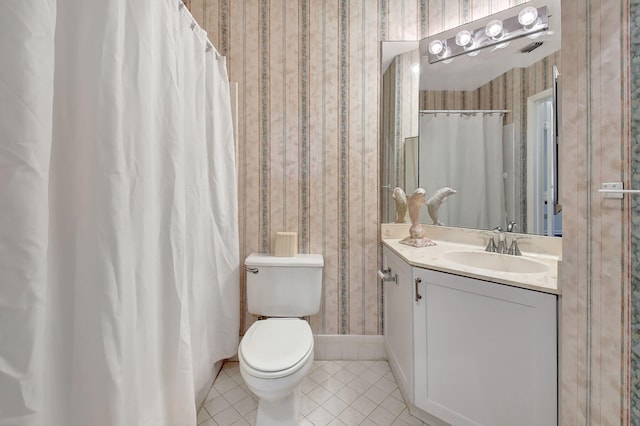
(276, 347)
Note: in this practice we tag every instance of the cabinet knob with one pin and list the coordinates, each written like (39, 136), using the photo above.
(418, 295)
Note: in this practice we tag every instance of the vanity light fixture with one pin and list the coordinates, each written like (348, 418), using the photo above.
(496, 33)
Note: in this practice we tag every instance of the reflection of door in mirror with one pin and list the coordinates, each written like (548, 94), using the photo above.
(540, 166)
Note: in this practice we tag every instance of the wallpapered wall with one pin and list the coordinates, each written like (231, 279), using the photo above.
(308, 135)
(308, 107)
(595, 268)
(635, 211)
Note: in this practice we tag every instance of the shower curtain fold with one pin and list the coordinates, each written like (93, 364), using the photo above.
(119, 255)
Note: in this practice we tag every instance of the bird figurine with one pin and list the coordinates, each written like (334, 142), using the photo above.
(416, 236)
(434, 203)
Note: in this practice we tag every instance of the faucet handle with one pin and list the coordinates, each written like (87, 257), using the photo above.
(511, 226)
(491, 244)
(491, 247)
(513, 248)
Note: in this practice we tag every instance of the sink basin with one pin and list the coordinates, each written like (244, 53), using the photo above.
(496, 262)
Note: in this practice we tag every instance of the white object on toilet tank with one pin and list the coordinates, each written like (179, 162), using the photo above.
(284, 286)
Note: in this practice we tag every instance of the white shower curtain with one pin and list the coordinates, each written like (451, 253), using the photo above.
(119, 253)
(464, 151)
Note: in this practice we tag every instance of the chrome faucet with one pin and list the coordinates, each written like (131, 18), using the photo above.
(502, 240)
(491, 246)
(500, 247)
(514, 249)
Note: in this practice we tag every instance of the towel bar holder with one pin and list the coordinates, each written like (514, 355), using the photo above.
(385, 275)
(616, 190)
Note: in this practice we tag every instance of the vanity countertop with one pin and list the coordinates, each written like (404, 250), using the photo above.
(433, 257)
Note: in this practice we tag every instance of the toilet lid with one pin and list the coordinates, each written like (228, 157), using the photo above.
(276, 344)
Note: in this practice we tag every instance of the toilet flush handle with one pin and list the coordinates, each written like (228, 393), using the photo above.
(252, 270)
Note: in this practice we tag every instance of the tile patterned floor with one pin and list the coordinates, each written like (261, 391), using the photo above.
(333, 393)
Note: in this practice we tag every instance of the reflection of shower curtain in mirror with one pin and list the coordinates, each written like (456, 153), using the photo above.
(464, 151)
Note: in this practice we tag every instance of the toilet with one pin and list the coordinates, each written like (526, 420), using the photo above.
(276, 353)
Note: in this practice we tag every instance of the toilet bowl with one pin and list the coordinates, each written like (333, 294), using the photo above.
(275, 355)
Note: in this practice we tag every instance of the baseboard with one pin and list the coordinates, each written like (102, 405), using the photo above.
(349, 347)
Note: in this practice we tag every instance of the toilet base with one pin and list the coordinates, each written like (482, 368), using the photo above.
(280, 412)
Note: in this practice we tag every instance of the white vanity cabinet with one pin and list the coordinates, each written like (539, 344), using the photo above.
(483, 353)
(398, 321)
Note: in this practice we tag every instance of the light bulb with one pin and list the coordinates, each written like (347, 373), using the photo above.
(528, 16)
(464, 38)
(436, 47)
(494, 29)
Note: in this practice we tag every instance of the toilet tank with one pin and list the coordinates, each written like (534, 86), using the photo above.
(284, 286)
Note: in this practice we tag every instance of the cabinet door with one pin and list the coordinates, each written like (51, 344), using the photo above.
(486, 353)
(398, 322)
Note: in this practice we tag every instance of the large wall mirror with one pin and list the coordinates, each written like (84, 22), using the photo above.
(485, 120)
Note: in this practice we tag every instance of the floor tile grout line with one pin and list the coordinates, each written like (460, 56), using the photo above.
(373, 389)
